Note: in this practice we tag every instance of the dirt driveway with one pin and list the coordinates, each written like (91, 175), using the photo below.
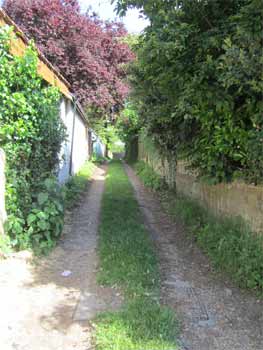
(214, 314)
(43, 310)
(40, 308)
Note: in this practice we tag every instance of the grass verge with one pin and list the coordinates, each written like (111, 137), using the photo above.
(229, 243)
(77, 184)
(128, 260)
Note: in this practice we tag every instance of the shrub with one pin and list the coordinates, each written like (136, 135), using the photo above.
(149, 176)
(5, 245)
(45, 220)
(128, 125)
(98, 159)
(198, 83)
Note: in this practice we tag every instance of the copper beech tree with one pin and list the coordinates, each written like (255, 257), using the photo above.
(86, 50)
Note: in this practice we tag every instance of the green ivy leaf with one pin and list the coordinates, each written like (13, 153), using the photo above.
(31, 218)
(42, 215)
(42, 198)
(43, 225)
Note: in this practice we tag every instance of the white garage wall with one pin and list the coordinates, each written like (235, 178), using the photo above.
(80, 151)
(66, 114)
(81, 144)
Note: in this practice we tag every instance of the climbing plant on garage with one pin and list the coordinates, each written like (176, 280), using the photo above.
(31, 135)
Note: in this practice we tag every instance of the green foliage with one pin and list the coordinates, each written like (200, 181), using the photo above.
(31, 134)
(128, 122)
(118, 147)
(129, 126)
(107, 132)
(132, 41)
(77, 184)
(229, 243)
(149, 176)
(198, 83)
(5, 246)
(45, 220)
(41, 228)
(128, 260)
(98, 159)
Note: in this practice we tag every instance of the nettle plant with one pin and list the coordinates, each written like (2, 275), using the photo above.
(31, 134)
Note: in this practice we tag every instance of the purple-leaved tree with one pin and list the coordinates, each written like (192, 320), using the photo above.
(87, 51)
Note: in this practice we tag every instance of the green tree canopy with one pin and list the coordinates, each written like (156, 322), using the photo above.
(198, 84)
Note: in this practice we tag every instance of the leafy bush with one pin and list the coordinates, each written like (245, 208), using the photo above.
(45, 220)
(198, 83)
(149, 176)
(31, 134)
(128, 125)
(98, 159)
(117, 147)
(5, 245)
(108, 134)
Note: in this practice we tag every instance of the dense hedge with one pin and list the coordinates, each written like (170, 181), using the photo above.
(128, 126)
(198, 83)
(31, 135)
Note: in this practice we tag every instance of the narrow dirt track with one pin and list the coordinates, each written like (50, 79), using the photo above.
(214, 315)
(41, 309)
